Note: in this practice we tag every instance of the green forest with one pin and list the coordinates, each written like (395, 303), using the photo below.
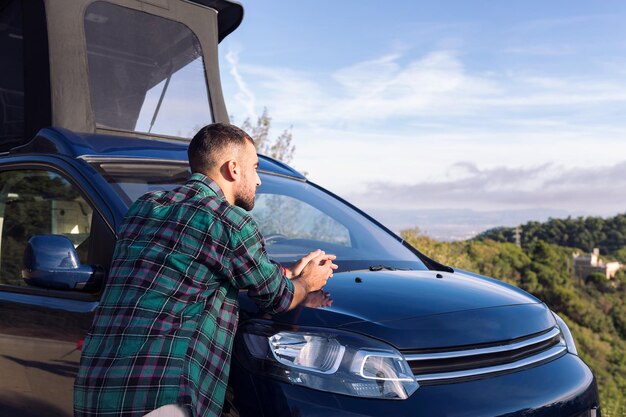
(593, 307)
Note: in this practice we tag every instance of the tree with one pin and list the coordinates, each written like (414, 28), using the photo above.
(280, 148)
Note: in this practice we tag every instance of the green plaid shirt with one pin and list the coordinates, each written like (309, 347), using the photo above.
(164, 329)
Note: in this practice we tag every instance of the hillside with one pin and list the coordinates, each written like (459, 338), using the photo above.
(594, 308)
(586, 233)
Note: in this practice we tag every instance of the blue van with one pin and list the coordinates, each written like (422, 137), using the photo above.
(97, 100)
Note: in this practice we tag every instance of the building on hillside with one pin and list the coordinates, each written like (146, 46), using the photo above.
(587, 264)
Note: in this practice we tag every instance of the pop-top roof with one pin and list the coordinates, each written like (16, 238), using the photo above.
(59, 141)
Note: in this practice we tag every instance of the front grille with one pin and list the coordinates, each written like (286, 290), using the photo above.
(474, 361)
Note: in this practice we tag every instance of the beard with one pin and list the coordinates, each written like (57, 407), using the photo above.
(245, 202)
(244, 198)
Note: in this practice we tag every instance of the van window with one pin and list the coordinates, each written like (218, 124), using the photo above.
(11, 72)
(294, 217)
(283, 217)
(146, 73)
(36, 202)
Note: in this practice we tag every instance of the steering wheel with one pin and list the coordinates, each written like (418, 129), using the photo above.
(274, 238)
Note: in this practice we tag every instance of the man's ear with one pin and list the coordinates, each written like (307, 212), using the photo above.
(229, 170)
(234, 169)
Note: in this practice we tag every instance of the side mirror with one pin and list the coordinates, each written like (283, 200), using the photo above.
(50, 261)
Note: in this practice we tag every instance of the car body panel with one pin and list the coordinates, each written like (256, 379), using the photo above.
(418, 310)
(40, 340)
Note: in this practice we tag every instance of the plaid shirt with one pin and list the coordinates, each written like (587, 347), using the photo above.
(164, 329)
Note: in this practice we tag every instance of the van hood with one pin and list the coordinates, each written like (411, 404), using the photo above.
(422, 309)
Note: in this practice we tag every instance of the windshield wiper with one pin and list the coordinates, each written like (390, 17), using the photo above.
(387, 268)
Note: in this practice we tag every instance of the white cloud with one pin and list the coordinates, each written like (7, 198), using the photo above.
(346, 160)
(245, 97)
(370, 91)
(435, 86)
(441, 135)
(597, 190)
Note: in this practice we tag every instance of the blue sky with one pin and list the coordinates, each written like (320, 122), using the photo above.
(481, 105)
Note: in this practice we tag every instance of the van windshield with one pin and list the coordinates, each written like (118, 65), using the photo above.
(295, 217)
(146, 73)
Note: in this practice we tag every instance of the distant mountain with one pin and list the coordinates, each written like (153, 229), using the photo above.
(586, 233)
(458, 224)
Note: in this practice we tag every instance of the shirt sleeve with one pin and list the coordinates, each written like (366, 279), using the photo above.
(252, 269)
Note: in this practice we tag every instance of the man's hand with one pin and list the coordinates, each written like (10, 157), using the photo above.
(317, 271)
(313, 275)
(296, 269)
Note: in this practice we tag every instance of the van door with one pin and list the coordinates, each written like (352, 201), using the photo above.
(41, 330)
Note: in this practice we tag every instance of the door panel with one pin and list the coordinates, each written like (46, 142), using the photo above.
(39, 353)
(41, 331)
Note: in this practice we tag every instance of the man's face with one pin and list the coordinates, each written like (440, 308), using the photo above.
(246, 188)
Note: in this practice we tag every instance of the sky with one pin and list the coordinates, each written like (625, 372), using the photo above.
(423, 107)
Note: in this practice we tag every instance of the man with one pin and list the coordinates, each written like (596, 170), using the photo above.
(161, 340)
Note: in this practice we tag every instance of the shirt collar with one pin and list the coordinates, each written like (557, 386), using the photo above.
(207, 184)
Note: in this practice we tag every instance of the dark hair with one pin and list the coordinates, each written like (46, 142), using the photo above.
(210, 141)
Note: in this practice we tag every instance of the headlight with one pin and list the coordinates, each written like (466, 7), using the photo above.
(328, 360)
(567, 334)
(307, 352)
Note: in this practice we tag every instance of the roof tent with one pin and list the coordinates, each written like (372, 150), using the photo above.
(141, 68)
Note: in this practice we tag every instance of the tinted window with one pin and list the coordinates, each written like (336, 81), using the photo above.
(38, 202)
(11, 72)
(133, 179)
(146, 73)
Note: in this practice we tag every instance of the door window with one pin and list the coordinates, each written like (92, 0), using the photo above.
(36, 202)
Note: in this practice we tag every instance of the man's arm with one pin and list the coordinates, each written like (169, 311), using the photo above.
(265, 281)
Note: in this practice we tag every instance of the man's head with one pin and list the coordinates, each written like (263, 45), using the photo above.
(227, 155)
